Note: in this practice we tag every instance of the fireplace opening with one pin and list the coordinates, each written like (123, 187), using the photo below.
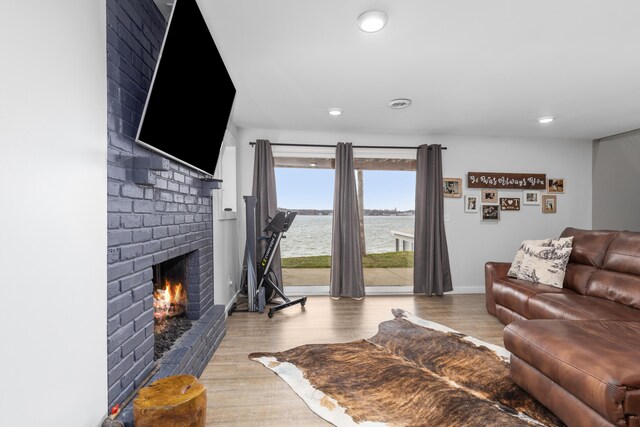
(169, 303)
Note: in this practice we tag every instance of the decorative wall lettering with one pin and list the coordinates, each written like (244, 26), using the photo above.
(510, 203)
(520, 181)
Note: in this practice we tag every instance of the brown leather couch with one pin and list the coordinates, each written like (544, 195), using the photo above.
(576, 349)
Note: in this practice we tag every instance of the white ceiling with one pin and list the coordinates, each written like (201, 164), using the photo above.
(471, 67)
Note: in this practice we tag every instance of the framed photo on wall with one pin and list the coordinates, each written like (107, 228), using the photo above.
(490, 212)
(471, 204)
(530, 197)
(510, 203)
(555, 185)
(549, 203)
(489, 196)
(452, 187)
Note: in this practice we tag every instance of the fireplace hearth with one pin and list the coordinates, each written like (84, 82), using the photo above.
(167, 332)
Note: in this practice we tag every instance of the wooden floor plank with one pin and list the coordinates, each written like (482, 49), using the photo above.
(244, 393)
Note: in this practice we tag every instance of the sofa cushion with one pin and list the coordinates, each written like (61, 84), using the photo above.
(596, 361)
(544, 264)
(589, 246)
(623, 255)
(571, 410)
(517, 260)
(514, 294)
(618, 287)
(573, 306)
(576, 277)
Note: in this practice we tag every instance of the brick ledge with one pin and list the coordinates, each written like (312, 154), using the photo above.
(190, 353)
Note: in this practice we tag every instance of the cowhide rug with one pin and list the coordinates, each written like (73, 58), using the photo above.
(411, 373)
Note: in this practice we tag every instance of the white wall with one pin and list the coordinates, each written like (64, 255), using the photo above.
(53, 183)
(471, 241)
(226, 261)
(616, 183)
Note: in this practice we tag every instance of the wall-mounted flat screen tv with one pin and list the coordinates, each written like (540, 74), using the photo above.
(191, 95)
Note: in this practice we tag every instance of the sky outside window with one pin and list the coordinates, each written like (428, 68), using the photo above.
(313, 189)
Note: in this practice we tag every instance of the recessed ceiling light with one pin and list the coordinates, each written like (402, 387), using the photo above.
(546, 119)
(399, 103)
(335, 111)
(372, 21)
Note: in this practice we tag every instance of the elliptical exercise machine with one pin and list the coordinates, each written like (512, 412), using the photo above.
(261, 284)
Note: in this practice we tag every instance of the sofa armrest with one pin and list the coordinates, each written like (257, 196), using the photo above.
(491, 271)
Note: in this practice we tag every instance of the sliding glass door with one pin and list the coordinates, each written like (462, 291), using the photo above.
(386, 193)
(306, 248)
(389, 198)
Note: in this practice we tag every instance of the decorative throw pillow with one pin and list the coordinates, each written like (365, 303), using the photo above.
(515, 265)
(563, 242)
(544, 264)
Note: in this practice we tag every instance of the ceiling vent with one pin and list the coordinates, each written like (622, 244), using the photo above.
(398, 104)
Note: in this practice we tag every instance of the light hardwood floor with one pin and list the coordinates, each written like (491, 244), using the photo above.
(244, 393)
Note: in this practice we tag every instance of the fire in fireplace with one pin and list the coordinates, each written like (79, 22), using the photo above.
(169, 303)
(169, 300)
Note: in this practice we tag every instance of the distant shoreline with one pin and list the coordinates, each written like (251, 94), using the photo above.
(367, 212)
(310, 235)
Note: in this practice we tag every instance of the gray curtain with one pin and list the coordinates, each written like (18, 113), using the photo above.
(264, 188)
(347, 278)
(431, 271)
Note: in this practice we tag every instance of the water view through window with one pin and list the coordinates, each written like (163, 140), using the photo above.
(389, 198)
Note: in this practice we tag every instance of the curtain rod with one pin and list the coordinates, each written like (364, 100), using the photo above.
(355, 146)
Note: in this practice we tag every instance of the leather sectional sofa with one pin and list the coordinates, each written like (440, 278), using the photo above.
(576, 349)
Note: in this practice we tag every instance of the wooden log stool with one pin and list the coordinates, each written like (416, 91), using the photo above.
(176, 401)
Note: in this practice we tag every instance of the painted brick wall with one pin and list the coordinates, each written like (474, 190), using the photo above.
(157, 209)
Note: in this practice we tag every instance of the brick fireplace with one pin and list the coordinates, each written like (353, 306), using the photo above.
(158, 210)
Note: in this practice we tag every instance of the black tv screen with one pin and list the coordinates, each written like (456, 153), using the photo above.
(191, 95)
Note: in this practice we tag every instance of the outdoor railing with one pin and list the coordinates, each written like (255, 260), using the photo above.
(404, 241)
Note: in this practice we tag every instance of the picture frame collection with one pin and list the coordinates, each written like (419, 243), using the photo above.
(489, 202)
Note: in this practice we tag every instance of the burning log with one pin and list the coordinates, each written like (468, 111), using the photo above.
(169, 301)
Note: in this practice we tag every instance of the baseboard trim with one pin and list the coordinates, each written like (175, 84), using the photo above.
(374, 290)
(467, 290)
(231, 302)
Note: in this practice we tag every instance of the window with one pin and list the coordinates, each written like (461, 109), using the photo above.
(306, 185)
